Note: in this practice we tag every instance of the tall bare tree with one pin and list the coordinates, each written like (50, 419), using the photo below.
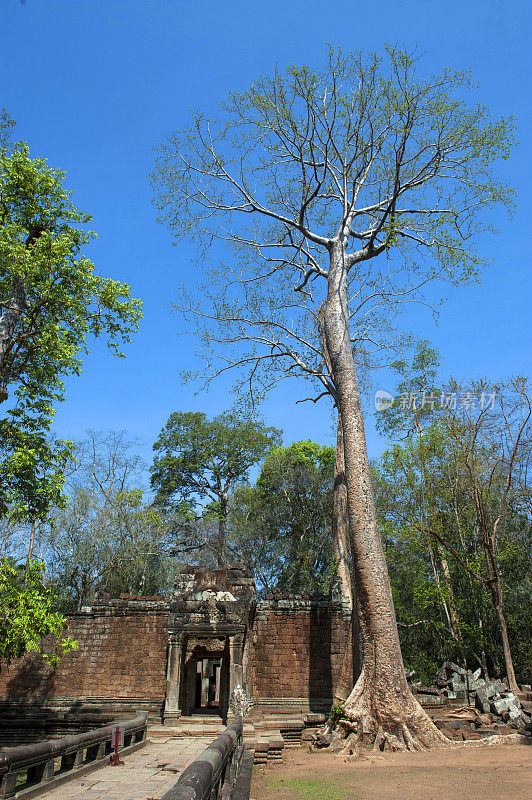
(339, 195)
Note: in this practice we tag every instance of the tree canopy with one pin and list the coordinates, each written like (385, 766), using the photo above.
(396, 167)
(459, 483)
(27, 614)
(109, 539)
(51, 303)
(282, 524)
(201, 461)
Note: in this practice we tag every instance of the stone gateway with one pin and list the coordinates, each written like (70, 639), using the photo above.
(192, 653)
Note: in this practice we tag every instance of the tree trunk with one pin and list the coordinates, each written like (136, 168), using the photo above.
(508, 660)
(340, 531)
(443, 599)
(222, 532)
(381, 707)
(9, 320)
(352, 661)
(449, 601)
(31, 544)
(454, 619)
(495, 587)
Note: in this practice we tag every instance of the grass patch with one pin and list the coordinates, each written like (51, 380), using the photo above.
(309, 789)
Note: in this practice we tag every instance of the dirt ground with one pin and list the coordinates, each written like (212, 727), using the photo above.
(464, 773)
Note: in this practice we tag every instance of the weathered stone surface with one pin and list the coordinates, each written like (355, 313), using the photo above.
(121, 656)
(121, 662)
(499, 706)
(482, 701)
(450, 666)
(310, 636)
(469, 735)
(455, 724)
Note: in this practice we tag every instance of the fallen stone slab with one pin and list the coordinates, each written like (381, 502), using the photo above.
(500, 686)
(490, 690)
(449, 732)
(482, 701)
(456, 724)
(430, 690)
(469, 735)
(499, 706)
(315, 719)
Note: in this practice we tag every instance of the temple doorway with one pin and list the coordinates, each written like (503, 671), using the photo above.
(205, 685)
(208, 685)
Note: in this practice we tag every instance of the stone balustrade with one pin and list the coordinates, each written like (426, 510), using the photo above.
(214, 774)
(29, 770)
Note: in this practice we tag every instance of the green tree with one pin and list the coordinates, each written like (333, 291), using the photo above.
(415, 396)
(341, 193)
(462, 485)
(282, 525)
(51, 302)
(6, 126)
(201, 461)
(27, 614)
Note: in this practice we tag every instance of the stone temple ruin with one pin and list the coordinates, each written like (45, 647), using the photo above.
(194, 660)
(210, 646)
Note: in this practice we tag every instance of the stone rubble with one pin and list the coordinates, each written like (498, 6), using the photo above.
(488, 707)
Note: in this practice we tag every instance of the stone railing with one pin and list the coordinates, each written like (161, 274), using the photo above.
(213, 775)
(29, 770)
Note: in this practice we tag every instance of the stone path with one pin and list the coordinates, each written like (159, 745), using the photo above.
(146, 775)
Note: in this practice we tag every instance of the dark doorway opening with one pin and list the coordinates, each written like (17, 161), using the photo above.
(207, 685)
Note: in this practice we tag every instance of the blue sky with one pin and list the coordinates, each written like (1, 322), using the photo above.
(95, 85)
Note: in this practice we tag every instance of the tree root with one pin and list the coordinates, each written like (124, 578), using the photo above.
(394, 721)
(375, 722)
(397, 737)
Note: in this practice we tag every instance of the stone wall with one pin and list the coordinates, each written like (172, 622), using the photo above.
(297, 649)
(300, 646)
(120, 662)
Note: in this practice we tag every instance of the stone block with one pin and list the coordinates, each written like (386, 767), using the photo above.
(500, 686)
(482, 700)
(455, 724)
(514, 701)
(499, 706)
(450, 666)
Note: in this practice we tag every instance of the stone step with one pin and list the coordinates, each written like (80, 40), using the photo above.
(176, 731)
(266, 738)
